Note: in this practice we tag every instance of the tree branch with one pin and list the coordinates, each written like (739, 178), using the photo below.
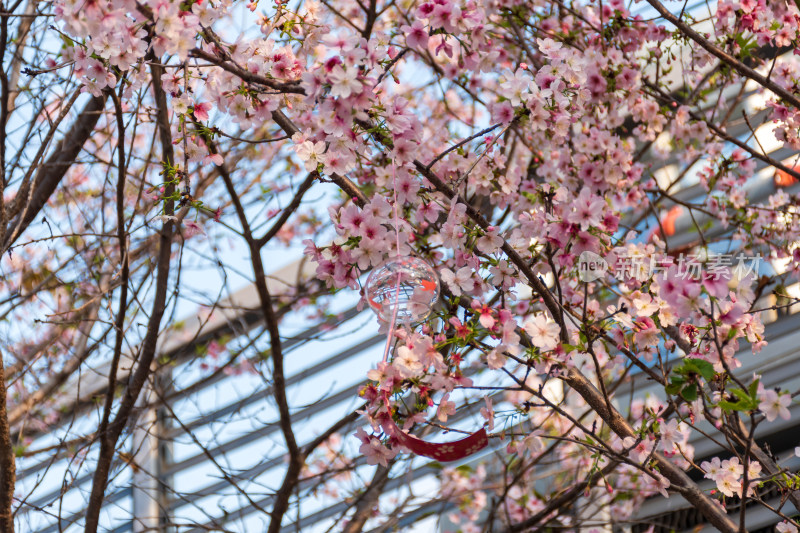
(289, 210)
(562, 500)
(54, 169)
(296, 455)
(283, 87)
(676, 476)
(366, 502)
(575, 379)
(109, 440)
(729, 60)
(343, 182)
(7, 463)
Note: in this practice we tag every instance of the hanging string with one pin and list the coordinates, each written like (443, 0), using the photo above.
(399, 274)
(451, 451)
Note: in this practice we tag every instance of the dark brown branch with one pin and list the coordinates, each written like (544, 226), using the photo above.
(8, 470)
(719, 132)
(367, 500)
(678, 479)
(770, 466)
(296, 456)
(729, 60)
(56, 166)
(289, 209)
(342, 181)
(108, 441)
(372, 15)
(563, 500)
(575, 379)
(119, 322)
(283, 87)
(4, 99)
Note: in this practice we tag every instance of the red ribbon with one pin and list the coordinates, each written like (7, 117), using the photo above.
(440, 451)
(445, 451)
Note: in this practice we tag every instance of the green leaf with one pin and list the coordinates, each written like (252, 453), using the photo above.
(745, 402)
(689, 393)
(674, 387)
(703, 367)
(730, 406)
(742, 395)
(754, 389)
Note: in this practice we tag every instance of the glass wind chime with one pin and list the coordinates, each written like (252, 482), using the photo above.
(404, 290)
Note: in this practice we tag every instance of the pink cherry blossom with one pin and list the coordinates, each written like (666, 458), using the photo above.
(446, 408)
(774, 405)
(416, 35)
(543, 332)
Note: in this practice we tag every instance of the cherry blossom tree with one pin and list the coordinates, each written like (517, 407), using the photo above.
(504, 143)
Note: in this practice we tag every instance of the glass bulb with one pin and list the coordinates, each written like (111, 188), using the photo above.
(409, 281)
